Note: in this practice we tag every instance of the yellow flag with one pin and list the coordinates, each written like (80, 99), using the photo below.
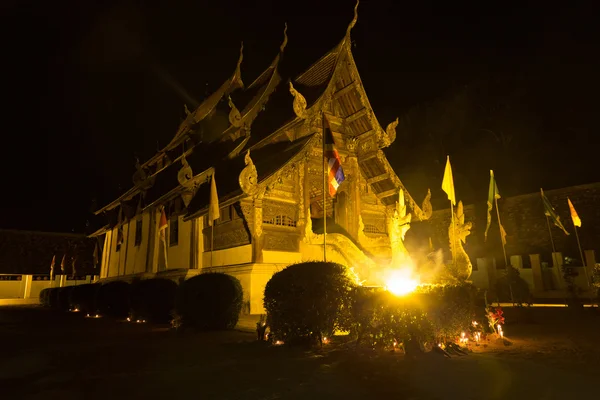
(213, 210)
(503, 235)
(448, 182)
(574, 216)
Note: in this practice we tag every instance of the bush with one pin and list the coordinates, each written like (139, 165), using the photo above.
(83, 297)
(113, 299)
(153, 299)
(434, 313)
(511, 287)
(308, 300)
(45, 297)
(210, 301)
(64, 298)
(383, 318)
(53, 297)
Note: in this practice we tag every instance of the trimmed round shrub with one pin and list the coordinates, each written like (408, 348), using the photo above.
(309, 300)
(210, 301)
(511, 287)
(45, 297)
(430, 314)
(53, 297)
(113, 299)
(83, 297)
(153, 299)
(64, 298)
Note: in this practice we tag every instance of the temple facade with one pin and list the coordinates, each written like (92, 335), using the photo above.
(268, 166)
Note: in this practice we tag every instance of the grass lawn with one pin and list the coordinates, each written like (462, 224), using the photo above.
(51, 355)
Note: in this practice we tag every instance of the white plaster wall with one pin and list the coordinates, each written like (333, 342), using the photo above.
(11, 289)
(134, 257)
(227, 257)
(281, 257)
(178, 256)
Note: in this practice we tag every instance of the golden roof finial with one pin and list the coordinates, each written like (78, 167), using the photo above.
(235, 118)
(238, 68)
(285, 39)
(299, 102)
(353, 22)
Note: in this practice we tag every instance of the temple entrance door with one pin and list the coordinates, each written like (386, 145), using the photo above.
(341, 210)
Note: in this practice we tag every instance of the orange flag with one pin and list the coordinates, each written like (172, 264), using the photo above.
(574, 216)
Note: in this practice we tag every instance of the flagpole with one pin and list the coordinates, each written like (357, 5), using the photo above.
(212, 242)
(324, 190)
(453, 233)
(500, 227)
(550, 232)
(587, 279)
(512, 299)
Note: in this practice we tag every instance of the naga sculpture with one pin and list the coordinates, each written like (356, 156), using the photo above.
(399, 224)
(461, 267)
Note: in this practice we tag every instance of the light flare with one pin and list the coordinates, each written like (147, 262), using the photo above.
(401, 282)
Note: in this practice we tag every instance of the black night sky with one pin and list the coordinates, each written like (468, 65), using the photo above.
(90, 84)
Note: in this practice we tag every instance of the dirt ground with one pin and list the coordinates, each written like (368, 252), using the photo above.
(49, 355)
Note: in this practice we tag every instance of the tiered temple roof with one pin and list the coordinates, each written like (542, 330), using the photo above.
(262, 118)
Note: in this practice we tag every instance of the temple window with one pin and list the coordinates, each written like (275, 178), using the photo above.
(138, 232)
(280, 220)
(174, 231)
(370, 228)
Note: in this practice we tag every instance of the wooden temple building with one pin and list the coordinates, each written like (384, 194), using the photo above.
(268, 166)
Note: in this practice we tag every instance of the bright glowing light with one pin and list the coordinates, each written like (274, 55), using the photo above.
(128, 319)
(76, 310)
(500, 331)
(278, 342)
(325, 340)
(401, 282)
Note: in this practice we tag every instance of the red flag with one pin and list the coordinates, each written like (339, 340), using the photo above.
(335, 173)
(62, 263)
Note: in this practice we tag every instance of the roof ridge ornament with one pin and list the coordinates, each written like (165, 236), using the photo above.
(353, 22)
(248, 178)
(185, 174)
(299, 102)
(285, 39)
(389, 136)
(238, 69)
(235, 118)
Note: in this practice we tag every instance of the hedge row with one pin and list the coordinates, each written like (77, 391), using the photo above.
(308, 301)
(206, 301)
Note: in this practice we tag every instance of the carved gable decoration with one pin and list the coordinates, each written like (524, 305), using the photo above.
(248, 178)
(185, 174)
(299, 102)
(235, 118)
(389, 136)
(286, 212)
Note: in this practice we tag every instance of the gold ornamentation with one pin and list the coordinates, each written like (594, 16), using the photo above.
(185, 174)
(387, 138)
(461, 268)
(248, 178)
(351, 143)
(285, 39)
(399, 224)
(237, 76)
(278, 241)
(353, 22)
(235, 118)
(299, 102)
